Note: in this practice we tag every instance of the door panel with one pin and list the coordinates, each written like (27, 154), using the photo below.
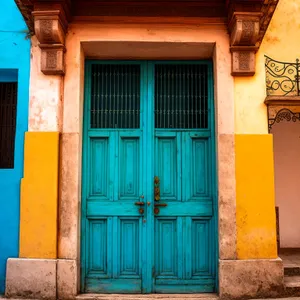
(100, 168)
(113, 167)
(146, 121)
(184, 252)
(168, 165)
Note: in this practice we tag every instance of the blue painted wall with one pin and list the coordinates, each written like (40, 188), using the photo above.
(14, 54)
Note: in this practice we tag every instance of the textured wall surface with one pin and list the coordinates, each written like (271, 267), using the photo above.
(14, 54)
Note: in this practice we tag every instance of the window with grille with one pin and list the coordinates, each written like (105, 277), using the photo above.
(8, 112)
(181, 96)
(115, 99)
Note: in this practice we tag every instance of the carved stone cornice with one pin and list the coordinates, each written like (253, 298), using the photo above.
(244, 32)
(247, 23)
(50, 26)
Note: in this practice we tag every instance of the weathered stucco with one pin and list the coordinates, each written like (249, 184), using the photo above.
(45, 105)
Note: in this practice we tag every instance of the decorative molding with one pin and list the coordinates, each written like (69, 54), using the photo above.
(50, 26)
(244, 33)
(283, 114)
(52, 59)
(283, 100)
(282, 108)
(248, 21)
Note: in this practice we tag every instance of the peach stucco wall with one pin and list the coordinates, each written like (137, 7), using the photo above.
(287, 175)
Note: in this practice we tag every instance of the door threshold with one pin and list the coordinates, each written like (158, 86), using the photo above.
(147, 296)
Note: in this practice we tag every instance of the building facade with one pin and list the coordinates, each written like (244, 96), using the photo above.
(14, 85)
(148, 162)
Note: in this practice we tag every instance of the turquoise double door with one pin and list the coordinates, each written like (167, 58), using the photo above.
(148, 186)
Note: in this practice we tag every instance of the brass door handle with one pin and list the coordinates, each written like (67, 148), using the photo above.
(140, 204)
(157, 205)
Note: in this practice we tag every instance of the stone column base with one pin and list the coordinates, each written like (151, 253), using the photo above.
(57, 278)
(253, 278)
(41, 278)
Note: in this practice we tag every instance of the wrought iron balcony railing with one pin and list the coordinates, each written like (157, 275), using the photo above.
(282, 78)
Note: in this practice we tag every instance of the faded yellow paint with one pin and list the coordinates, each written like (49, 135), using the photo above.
(39, 195)
(255, 213)
(280, 43)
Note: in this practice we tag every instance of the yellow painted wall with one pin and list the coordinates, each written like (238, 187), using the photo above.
(282, 43)
(39, 196)
(256, 221)
(255, 198)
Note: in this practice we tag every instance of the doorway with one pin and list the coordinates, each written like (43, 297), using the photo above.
(149, 191)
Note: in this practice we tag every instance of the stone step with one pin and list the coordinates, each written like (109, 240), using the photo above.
(292, 270)
(292, 286)
(148, 297)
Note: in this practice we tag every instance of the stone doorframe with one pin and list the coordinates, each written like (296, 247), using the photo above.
(157, 42)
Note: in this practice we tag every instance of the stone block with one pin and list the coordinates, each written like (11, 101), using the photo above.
(31, 278)
(66, 279)
(255, 278)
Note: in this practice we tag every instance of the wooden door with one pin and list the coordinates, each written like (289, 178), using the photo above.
(148, 127)
(184, 179)
(113, 179)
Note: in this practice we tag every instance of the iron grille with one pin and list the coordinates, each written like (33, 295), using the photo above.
(115, 101)
(8, 112)
(181, 96)
(282, 78)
